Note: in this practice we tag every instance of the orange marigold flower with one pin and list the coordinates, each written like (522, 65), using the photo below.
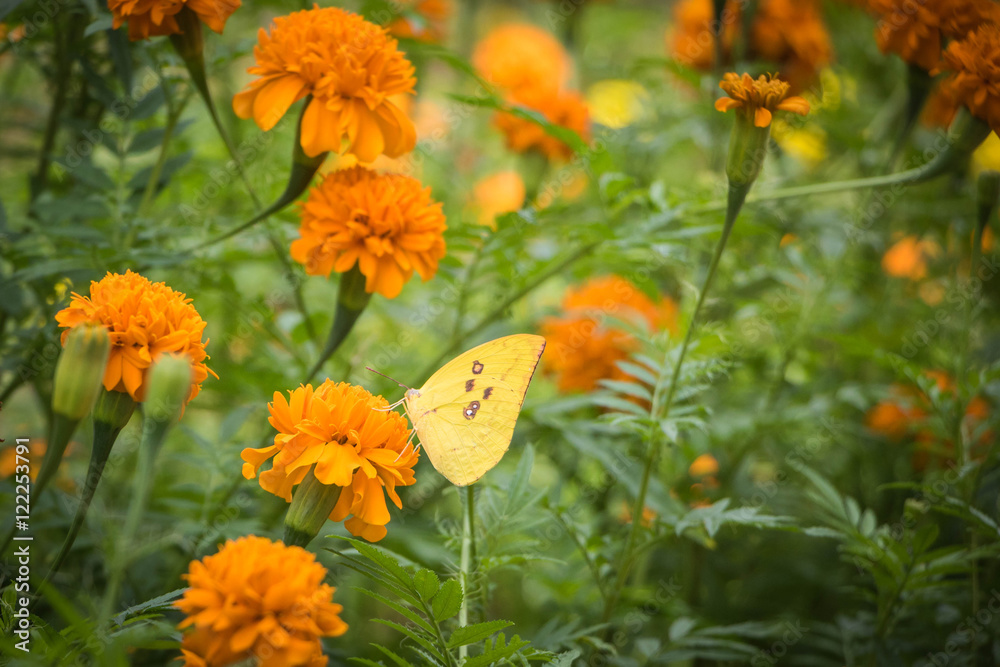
(151, 18)
(424, 20)
(385, 223)
(975, 66)
(566, 109)
(518, 56)
(758, 98)
(915, 30)
(706, 464)
(496, 194)
(790, 33)
(258, 598)
(584, 347)
(892, 419)
(907, 258)
(349, 68)
(144, 320)
(9, 462)
(344, 434)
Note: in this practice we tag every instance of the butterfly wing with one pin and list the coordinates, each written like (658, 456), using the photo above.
(466, 412)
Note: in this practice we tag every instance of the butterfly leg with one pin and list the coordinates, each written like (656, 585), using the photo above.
(409, 442)
(391, 407)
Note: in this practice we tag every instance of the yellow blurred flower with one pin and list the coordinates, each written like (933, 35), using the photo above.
(706, 464)
(617, 103)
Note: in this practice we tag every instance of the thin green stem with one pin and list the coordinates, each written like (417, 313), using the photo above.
(173, 117)
(468, 561)
(736, 198)
(587, 558)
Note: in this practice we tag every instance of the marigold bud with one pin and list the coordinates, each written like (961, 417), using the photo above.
(80, 371)
(311, 506)
(169, 385)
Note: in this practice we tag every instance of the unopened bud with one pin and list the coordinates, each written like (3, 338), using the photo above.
(169, 388)
(80, 371)
(747, 150)
(311, 506)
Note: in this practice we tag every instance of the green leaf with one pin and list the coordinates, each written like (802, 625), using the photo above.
(418, 638)
(402, 610)
(382, 559)
(164, 601)
(477, 632)
(392, 656)
(426, 583)
(448, 600)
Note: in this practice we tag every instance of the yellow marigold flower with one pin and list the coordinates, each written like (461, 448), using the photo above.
(706, 464)
(975, 66)
(387, 224)
(758, 98)
(144, 320)
(349, 67)
(258, 599)
(516, 56)
(585, 348)
(345, 436)
(496, 194)
(151, 18)
(566, 109)
(424, 20)
(907, 258)
(790, 33)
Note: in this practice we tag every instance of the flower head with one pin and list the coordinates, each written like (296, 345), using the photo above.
(518, 56)
(704, 465)
(424, 20)
(348, 67)
(496, 194)
(566, 109)
(144, 320)
(387, 224)
(255, 597)
(758, 98)
(975, 66)
(345, 436)
(790, 33)
(915, 30)
(585, 348)
(907, 258)
(151, 18)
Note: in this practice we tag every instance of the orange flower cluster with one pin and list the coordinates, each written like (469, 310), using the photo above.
(518, 56)
(790, 33)
(387, 224)
(532, 69)
(906, 414)
(496, 194)
(424, 20)
(975, 80)
(907, 258)
(584, 347)
(258, 599)
(703, 469)
(144, 321)
(916, 30)
(346, 437)
(152, 18)
(348, 68)
(758, 98)
(9, 462)
(566, 109)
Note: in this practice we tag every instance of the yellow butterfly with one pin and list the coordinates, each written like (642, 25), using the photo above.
(465, 413)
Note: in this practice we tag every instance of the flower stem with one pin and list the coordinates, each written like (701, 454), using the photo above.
(737, 195)
(352, 298)
(105, 435)
(468, 561)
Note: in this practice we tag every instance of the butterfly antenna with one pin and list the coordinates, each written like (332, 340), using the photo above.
(387, 377)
